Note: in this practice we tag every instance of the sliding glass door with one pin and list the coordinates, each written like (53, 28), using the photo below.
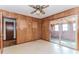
(64, 32)
(68, 35)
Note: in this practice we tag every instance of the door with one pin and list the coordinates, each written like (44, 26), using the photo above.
(65, 32)
(9, 30)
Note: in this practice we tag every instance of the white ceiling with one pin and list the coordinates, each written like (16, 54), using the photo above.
(25, 9)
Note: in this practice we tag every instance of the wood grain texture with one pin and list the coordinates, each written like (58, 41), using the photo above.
(1, 35)
(25, 24)
(45, 30)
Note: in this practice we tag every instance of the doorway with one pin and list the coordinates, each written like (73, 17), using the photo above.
(9, 32)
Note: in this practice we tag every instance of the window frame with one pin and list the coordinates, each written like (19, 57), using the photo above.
(74, 25)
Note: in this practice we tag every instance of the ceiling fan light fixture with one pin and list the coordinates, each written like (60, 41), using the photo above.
(38, 12)
(39, 9)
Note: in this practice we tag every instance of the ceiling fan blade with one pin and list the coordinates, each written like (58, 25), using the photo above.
(44, 6)
(33, 6)
(33, 12)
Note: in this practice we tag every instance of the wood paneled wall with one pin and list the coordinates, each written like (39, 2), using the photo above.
(27, 27)
(1, 43)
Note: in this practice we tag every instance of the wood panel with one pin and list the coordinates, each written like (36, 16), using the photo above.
(45, 30)
(21, 29)
(24, 26)
(1, 35)
(26, 30)
(29, 29)
(40, 29)
(35, 29)
(0, 29)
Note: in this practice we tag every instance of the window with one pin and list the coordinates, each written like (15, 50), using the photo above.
(56, 28)
(74, 26)
(65, 27)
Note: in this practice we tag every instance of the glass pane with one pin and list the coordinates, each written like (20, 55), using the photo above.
(68, 37)
(56, 27)
(65, 27)
(55, 33)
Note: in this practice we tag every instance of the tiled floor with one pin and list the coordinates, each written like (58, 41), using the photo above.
(38, 47)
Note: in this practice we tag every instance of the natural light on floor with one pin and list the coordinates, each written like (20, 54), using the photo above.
(38, 47)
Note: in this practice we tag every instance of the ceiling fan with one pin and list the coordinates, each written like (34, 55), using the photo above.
(38, 9)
